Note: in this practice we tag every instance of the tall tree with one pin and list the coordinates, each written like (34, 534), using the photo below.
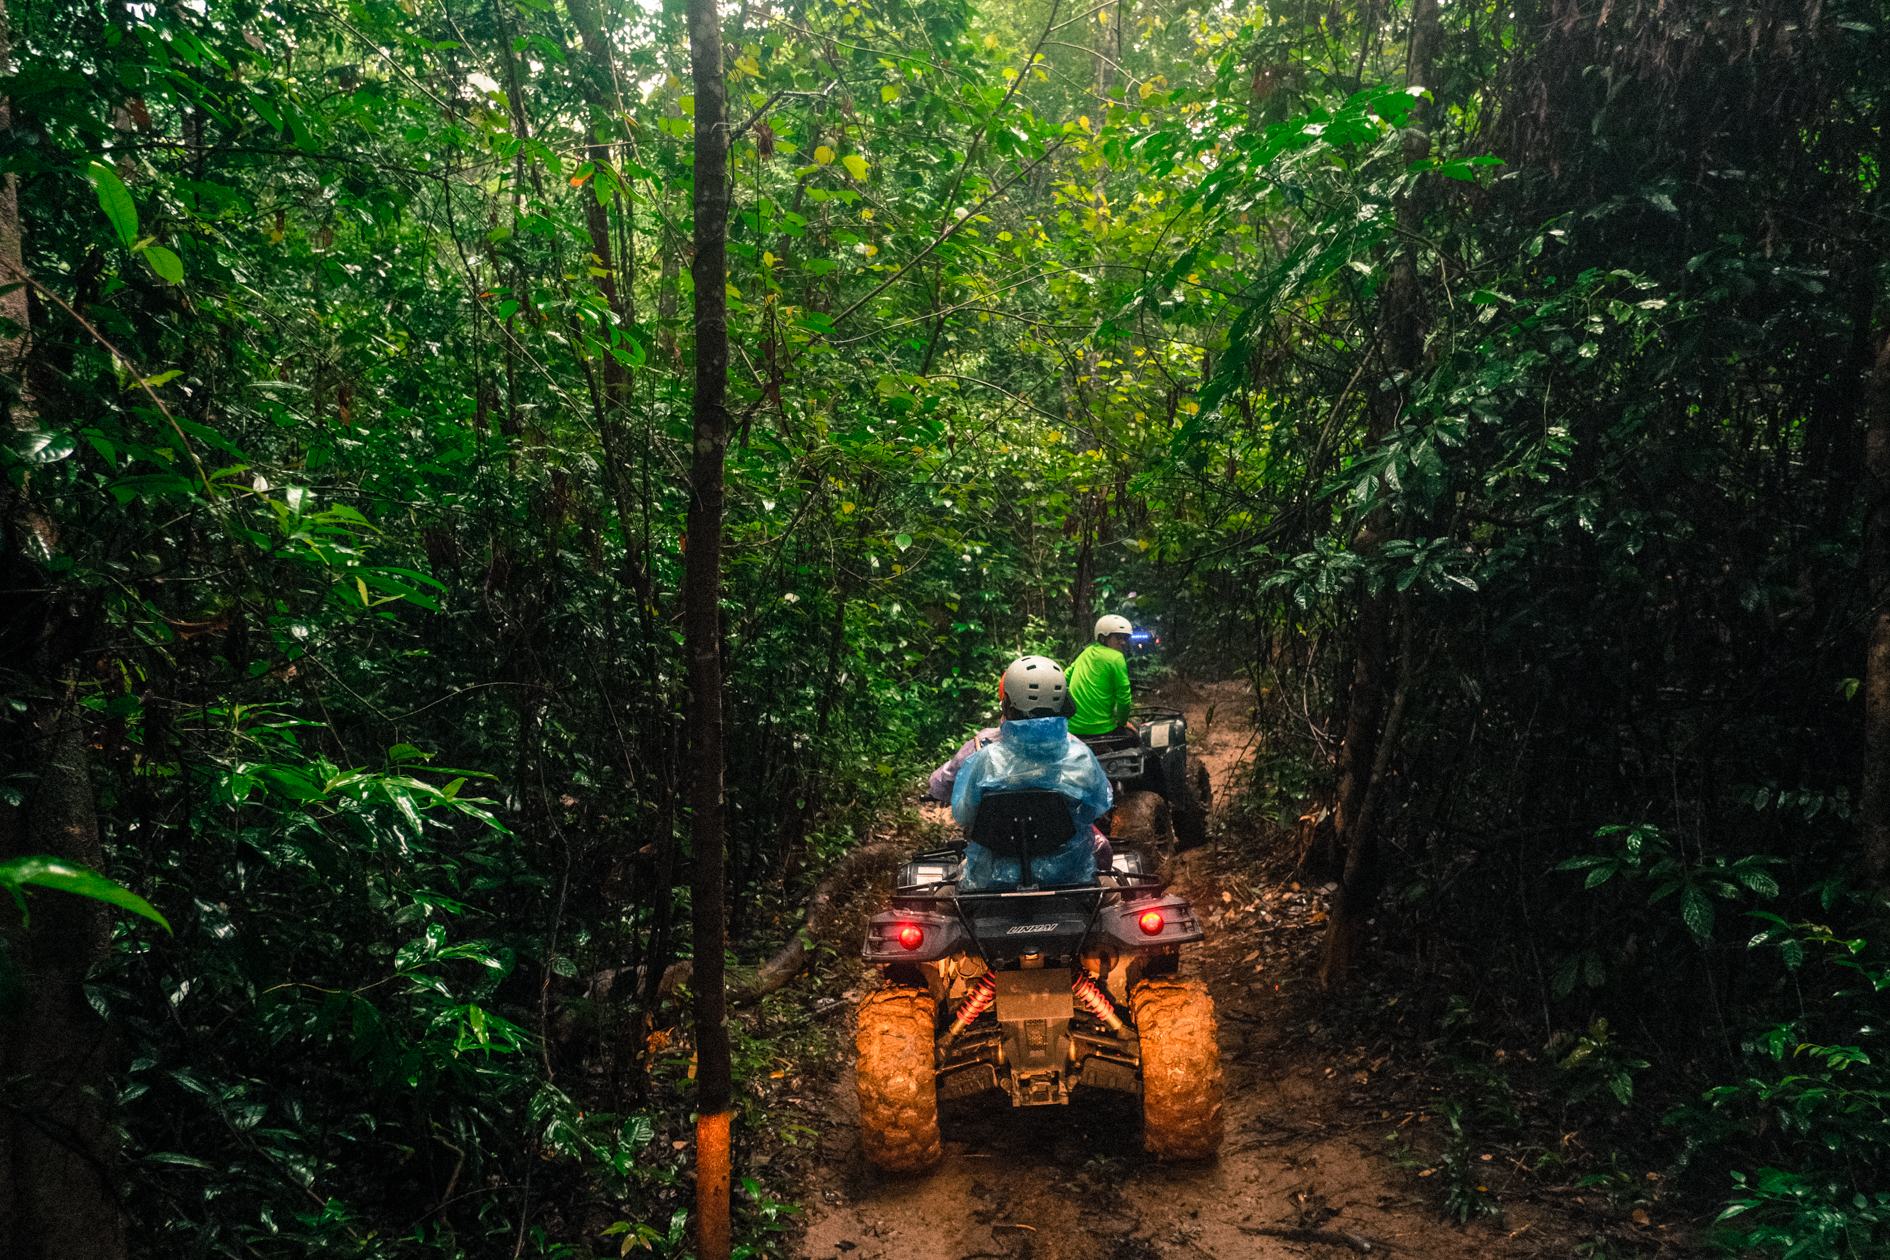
(13, 305)
(1370, 735)
(702, 596)
(1876, 787)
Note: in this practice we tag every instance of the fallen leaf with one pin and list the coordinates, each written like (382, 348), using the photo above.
(1640, 1216)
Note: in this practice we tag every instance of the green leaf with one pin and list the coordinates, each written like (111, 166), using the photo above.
(48, 872)
(115, 200)
(1758, 881)
(902, 541)
(42, 446)
(169, 266)
(1697, 910)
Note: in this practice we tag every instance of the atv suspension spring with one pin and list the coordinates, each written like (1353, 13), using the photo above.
(1096, 1003)
(975, 1005)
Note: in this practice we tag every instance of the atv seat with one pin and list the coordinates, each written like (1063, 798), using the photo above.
(1110, 741)
(1031, 827)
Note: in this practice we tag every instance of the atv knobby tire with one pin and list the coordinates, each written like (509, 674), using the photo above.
(1191, 808)
(1142, 823)
(898, 1087)
(1181, 1069)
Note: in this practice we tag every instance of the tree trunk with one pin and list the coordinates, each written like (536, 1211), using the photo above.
(1875, 804)
(58, 1198)
(13, 306)
(1366, 749)
(618, 291)
(1083, 586)
(1109, 48)
(702, 628)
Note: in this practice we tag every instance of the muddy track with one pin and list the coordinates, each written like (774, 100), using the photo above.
(1305, 1163)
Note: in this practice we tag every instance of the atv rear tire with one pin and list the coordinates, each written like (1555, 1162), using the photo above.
(1191, 810)
(897, 1083)
(1181, 1069)
(1143, 823)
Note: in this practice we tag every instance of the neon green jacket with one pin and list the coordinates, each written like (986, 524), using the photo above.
(1099, 686)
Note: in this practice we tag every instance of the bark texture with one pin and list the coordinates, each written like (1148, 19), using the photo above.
(13, 306)
(1875, 804)
(701, 624)
(58, 1197)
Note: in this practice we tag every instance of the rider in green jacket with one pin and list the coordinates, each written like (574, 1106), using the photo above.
(1099, 681)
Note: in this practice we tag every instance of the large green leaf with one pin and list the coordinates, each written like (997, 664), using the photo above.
(169, 266)
(47, 872)
(115, 200)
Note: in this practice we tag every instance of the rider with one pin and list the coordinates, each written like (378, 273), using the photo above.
(1099, 681)
(1034, 749)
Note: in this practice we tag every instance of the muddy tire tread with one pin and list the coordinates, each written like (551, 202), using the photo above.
(1146, 823)
(1190, 815)
(897, 1084)
(1181, 1069)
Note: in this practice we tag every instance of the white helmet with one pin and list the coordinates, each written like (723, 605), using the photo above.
(1113, 624)
(1032, 687)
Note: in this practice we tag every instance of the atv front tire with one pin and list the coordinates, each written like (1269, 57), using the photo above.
(1181, 1069)
(897, 1083)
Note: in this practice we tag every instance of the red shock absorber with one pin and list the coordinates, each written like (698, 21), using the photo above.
(975, 1005)
(1096, 1003)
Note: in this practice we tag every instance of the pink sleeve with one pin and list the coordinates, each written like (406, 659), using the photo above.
(946, 775)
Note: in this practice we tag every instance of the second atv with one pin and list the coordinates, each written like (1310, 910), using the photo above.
(1153, 759)
(1033, 989)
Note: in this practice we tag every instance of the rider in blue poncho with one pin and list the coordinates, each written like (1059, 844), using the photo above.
(1034, 749)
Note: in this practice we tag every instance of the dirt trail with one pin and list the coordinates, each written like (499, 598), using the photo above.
(1306, 1125)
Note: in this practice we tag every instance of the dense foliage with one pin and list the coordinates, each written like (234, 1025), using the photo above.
(1526, 352)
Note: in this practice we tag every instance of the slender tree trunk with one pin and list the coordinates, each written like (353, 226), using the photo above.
(1876, 795)
(58, 1193)
(617, 288)
(13, 306)
(666, 287)
(1083, 586)
(702, 628)
(1366, 748)
(1109, 48)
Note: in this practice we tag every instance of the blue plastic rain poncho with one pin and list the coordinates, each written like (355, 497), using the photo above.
(1033, 753)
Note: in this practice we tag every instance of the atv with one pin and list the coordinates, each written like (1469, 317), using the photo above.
(1153, 759)
(1033, 989)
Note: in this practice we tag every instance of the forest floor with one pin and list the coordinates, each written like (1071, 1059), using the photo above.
(1313, 1095)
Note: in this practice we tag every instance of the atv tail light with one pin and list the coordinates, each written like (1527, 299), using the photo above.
(1150, 922)
(911, 936)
